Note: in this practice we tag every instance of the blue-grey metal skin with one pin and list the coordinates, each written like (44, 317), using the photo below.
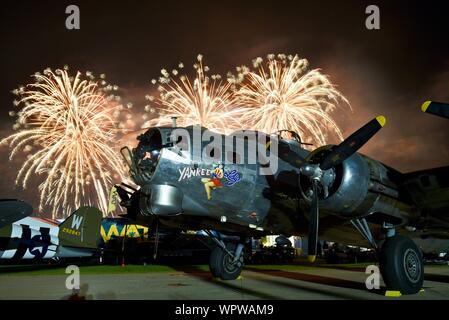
(177, 187)
(262, 204)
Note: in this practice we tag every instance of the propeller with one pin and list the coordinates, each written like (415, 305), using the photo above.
(314, 219)
(436, 108)
(352, 143)
(317, 173)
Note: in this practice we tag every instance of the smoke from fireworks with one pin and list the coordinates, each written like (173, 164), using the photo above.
(285, 95)
(67, 126)
(206, 101)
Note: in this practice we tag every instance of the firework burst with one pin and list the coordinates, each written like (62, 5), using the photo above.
(67, 126)
(285, 95)
(205, 100)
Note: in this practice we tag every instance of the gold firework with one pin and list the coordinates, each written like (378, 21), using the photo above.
(67, 126)
(288, 96)
(205, 100)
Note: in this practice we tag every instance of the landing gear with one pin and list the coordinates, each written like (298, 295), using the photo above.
(401, 262)
(401, 265)
(226, 264)
(226, 259)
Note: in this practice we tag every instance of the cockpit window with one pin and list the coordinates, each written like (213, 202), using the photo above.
(148, 151)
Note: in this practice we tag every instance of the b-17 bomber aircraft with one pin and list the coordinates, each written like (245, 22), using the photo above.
(333, 193)
(25, 237)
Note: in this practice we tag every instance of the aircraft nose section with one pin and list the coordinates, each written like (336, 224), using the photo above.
(164, 200)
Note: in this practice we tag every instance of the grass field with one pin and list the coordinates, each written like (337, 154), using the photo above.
(97, 269)
(6, 270)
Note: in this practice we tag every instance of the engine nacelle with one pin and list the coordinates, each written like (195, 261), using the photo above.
(348, 184)
(360, 186)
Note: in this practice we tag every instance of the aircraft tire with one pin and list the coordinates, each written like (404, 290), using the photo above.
(228, 270)
(401, 265)
(213, 261)
(221, 263)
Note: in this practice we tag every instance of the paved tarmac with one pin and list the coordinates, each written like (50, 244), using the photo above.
(194, 283)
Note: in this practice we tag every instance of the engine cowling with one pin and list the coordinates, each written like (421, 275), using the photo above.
(359, 186)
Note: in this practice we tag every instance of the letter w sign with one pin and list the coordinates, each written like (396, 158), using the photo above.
(76, 222)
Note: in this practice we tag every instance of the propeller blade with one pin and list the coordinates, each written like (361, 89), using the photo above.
(436, 108)
(313, 223)
(289, 155)
(353, 143)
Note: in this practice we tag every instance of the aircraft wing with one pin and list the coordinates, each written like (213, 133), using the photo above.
(12, 210)
(429, 191)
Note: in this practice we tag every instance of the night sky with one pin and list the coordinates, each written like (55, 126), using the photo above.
(390, 71)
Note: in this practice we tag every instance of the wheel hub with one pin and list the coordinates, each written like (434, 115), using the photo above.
(412, 265)
(229, 264)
